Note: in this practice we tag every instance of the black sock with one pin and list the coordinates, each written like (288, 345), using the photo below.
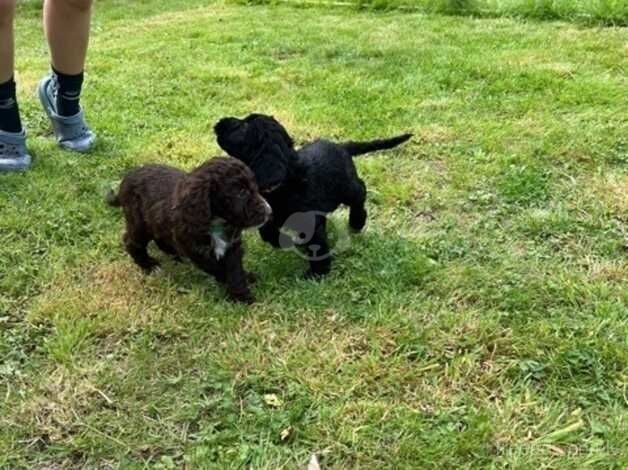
(69, 93)
(9, 112)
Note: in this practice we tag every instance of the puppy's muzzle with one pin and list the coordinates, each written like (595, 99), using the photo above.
(226, 125)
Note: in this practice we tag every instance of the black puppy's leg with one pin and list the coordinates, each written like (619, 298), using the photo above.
(317, 250)
(135, 242)
(270, 234)
(357, 211)
(237, 279)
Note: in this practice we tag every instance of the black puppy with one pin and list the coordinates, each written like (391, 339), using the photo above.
(313, 181)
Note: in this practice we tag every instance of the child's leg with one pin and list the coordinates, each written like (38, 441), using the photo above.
(9, 113)
(67, 24)
(13, 156)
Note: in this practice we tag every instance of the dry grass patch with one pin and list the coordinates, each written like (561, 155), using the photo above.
(113, 297)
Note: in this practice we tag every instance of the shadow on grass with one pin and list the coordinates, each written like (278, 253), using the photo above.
(377, 268)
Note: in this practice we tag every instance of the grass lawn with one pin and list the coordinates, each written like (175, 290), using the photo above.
(480, 320)
(609, 12)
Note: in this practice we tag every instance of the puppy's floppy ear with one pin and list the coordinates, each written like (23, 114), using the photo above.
(274, 165)
(282, 144)
(192, 199)
(279, 150)
(279, 160)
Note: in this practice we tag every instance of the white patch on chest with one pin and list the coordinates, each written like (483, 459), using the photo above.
(220, 245)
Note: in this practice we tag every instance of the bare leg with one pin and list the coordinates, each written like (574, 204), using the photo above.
(7, 13)
(13, 154)
(66, 23)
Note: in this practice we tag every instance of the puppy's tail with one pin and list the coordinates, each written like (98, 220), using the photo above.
(360, 148)
(112, 199)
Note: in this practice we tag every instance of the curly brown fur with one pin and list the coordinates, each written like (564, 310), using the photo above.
(177, 210)
(302, 185)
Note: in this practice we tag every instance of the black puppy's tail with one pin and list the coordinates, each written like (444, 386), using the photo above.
(360, 148)
(112, 199)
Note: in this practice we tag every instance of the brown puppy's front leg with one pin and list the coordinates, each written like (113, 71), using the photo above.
(203, 257)
(227, 270)
(236, 278)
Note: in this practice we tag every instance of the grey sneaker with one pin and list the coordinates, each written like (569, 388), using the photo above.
(72, 132)
(13, 155)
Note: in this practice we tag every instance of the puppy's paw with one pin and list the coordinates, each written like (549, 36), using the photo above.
(151, 266)
(355, 230)
(245, 299)
(313, 275)
(357, 219)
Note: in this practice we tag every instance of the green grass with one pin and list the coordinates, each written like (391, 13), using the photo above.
(603, 12)
(479, 322)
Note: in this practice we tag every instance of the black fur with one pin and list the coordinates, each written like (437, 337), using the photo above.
(317, 178)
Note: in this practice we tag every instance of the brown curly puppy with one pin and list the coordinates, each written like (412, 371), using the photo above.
(198, 215)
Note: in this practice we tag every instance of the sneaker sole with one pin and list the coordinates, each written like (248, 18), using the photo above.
(16, 167)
